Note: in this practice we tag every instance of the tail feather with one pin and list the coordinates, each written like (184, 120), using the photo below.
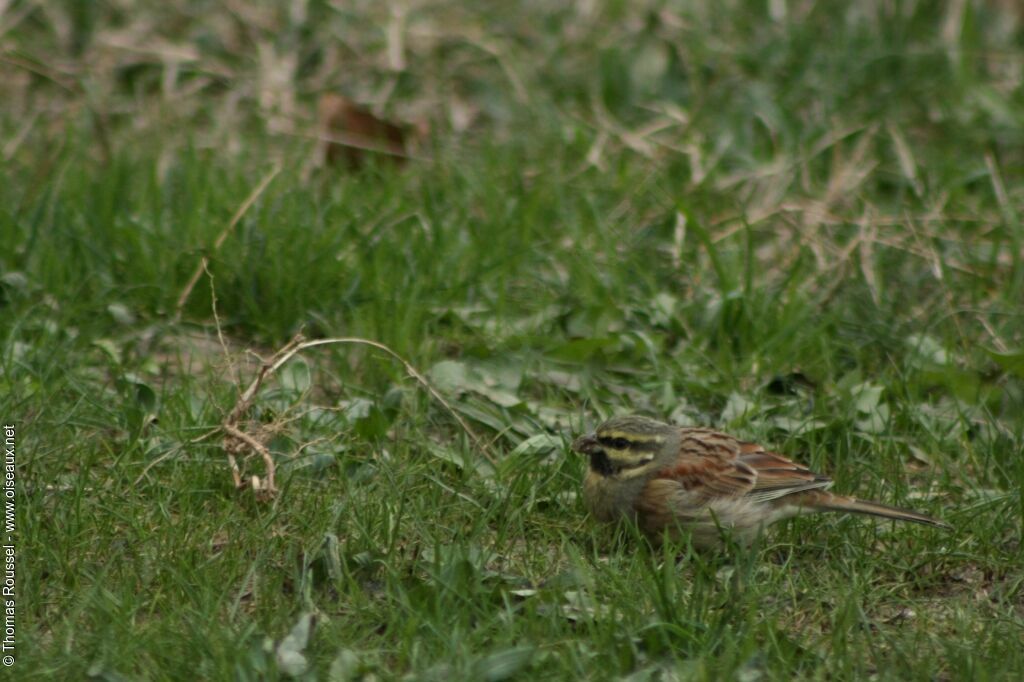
(825, 501)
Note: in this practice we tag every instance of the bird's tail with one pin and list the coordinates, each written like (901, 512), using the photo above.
(826, 501)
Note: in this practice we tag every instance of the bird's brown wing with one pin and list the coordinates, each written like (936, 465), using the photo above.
(715, 464)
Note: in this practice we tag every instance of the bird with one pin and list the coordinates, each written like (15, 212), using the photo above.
(703, 483)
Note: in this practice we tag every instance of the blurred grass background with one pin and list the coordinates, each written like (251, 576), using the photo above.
(799, 221)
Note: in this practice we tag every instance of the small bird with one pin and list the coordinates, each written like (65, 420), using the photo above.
(703, 482)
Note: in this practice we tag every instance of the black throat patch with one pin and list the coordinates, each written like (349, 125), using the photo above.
(602, 464)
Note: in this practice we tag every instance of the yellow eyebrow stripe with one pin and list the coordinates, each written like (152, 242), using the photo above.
(632, 437)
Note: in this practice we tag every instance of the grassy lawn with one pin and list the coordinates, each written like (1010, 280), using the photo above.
(796, 221)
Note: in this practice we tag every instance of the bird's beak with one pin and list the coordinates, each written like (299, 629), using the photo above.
(585, 445)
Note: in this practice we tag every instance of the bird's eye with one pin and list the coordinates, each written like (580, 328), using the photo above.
(620, 443)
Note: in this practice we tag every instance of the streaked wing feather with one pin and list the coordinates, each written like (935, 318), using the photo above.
(719, 465)
(711, 477)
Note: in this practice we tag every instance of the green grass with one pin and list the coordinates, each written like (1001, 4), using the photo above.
(800, 224)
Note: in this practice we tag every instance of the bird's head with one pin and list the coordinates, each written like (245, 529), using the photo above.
(624, 447)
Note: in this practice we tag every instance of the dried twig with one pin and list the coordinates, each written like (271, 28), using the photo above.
(237, 440)
(204, 261)
(233, 447)
(412, 371)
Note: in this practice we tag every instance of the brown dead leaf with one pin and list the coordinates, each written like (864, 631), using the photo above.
(349, 131)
